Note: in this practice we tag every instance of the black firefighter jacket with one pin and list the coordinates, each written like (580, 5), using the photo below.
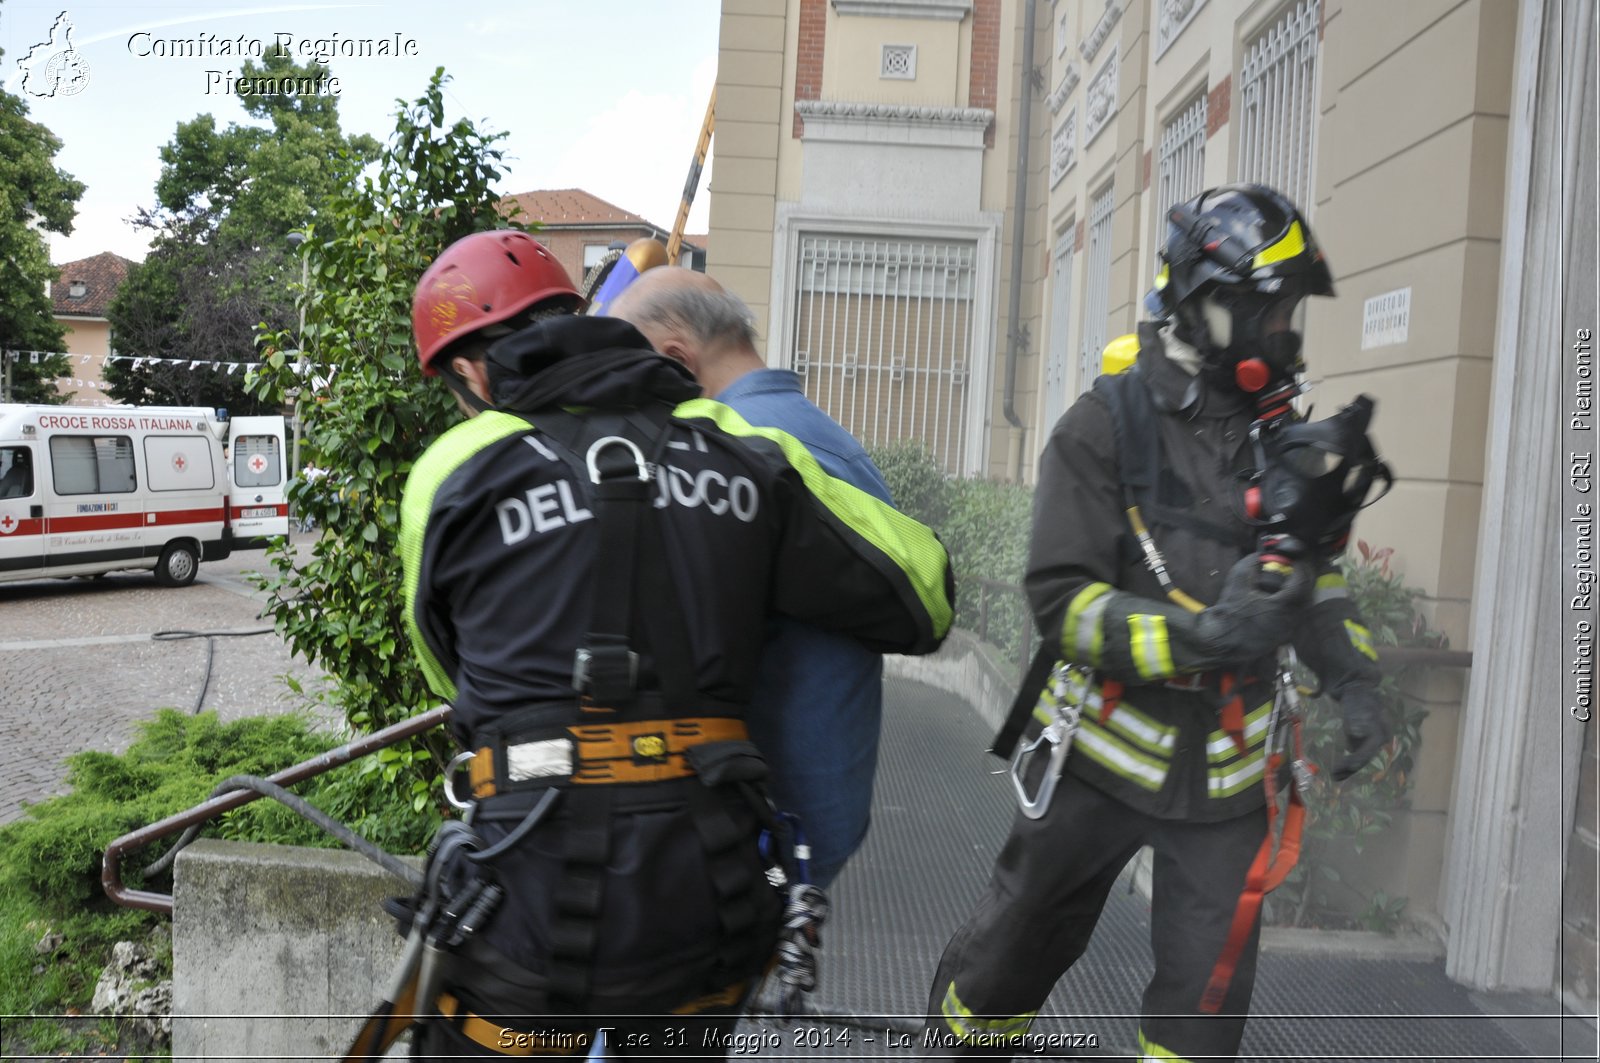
(1161, 749)
(499, 540)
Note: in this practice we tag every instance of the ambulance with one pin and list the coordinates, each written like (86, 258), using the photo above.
(258, 499)
(90, 490)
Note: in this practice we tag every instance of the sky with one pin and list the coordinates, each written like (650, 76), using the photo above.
(603, 95)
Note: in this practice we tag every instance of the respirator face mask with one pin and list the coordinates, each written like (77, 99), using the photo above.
(1254, 336)
(1315, 477)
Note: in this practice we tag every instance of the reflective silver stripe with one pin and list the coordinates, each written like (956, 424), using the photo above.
(1330, 587)
(538, 760)
(1081, 633)
(1113, 755)
(1130, 721)
(1148, 645)
(1249, 771)
(1139, 727)
(1255, 725)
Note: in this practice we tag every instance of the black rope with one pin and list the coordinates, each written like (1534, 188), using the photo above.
(211, 652)
(305, 810)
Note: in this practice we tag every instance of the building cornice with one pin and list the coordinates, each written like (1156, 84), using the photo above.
(950, 10)
(1102, 30)
(1069, 81)
(899, 113)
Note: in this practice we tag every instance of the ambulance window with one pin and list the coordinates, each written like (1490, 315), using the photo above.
(92, 465)
(179, 463)
(256, 462)
(16, 472)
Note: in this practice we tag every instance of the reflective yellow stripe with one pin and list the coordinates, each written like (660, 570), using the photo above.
(1360, 638)
(1081, 635)
(1129, 723)
(1292, 244)
(963, 1023)
(1116, 757)
(1163, 277)
(1219, 744)
(1142, 731)
(1244, 772)
(1150, 1052)
(1330, 587)
(1149, 645)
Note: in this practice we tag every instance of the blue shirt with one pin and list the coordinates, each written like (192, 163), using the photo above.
(818, 700)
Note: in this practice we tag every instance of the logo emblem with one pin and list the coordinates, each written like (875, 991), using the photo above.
(650, 747)
(258, 464)
(8, 524)
(180, 462)
(54, 67)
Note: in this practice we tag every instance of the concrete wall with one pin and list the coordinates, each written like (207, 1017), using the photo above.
(277, 952)
(755, 93)
(1389, 218)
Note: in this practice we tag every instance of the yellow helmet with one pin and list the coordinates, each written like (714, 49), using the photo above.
(1119, 354)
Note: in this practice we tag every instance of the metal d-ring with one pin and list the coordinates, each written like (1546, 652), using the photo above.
(457, 762)
(592, 458)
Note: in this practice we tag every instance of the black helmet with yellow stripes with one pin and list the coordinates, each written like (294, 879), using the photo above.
(1236, 263)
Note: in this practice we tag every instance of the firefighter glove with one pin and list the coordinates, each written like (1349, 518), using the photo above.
(1365, 730)
(1256, 612)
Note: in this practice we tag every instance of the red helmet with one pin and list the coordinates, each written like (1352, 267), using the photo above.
(482, 280)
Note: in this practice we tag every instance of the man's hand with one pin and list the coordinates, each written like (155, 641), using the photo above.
(1365, 730)
(1252, 617)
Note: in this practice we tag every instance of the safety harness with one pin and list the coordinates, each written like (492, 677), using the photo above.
(1135, 424)
(627, 741)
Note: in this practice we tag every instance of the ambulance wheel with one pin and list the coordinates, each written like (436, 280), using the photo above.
(178, 566)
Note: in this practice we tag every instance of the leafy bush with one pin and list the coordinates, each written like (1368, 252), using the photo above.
(374, 415)
(984, 524)
(50, 860)
(1346, 816)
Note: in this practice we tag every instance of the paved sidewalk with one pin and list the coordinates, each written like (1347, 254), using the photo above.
(80, 670)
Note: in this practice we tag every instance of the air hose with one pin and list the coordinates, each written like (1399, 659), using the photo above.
(306, 811)
(211, 652)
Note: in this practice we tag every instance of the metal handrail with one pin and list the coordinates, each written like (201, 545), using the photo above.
(111, 864)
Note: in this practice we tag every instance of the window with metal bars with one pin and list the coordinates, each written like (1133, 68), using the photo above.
(1278, 104)
(1181, 170)
(1097, 286)
(1058, 357)
(883, 337)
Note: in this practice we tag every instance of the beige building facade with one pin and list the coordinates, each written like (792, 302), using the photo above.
(941, 211)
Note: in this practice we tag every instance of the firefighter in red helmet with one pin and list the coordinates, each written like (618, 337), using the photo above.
(589, 561)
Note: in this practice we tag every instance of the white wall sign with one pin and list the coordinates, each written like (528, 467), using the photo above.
(1386, 319)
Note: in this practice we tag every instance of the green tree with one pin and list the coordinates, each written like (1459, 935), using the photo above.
(36, 197)
(220, 269)
(343, 608)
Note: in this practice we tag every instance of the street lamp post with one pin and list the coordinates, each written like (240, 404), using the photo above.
(295, 240)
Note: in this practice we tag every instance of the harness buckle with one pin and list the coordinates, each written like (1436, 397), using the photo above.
(605, 673)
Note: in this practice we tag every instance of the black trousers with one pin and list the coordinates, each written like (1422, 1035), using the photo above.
(1045, 896)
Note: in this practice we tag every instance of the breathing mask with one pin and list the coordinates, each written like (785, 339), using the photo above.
(1312, 478)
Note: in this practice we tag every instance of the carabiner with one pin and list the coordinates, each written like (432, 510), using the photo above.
(1060, 740)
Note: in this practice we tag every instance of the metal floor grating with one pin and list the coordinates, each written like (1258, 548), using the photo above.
(939, 818)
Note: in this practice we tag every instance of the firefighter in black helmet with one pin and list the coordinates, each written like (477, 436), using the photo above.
(1161, 707)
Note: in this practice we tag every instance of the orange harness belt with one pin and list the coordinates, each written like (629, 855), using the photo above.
(1267, 872)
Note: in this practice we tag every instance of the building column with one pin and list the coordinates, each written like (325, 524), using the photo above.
(1516, 781)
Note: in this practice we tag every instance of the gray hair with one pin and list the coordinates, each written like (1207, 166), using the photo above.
(711, 317)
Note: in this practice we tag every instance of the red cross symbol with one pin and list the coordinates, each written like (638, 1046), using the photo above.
(8, 524)
(179, 463)
(258, 464)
